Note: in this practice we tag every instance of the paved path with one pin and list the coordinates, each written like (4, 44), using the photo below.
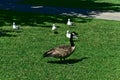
(11, 5)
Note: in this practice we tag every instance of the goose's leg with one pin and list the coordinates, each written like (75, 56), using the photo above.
(64, 59)
(61, 59)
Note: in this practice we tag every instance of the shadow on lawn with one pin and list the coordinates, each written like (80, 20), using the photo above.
(4, 34)
(7, 33)
(40, 20)
(83, 4)
(68, 61)
(34, 19)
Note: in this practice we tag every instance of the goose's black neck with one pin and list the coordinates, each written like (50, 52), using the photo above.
(71, 40)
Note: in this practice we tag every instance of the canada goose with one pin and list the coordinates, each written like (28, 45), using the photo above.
(69, 23)
(61, 52)
(54, 28)
(68, 34)
(15, 27)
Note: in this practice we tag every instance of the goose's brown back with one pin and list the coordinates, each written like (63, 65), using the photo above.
(60, 51)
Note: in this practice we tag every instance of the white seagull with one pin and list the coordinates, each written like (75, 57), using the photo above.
(69, 23)
(53, 27)
(15, 27)
(68, 34)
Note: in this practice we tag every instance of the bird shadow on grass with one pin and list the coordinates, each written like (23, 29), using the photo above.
(68, 61)
(17, 31)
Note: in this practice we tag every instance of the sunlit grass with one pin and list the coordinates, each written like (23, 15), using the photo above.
(96, 56)
(97, 50)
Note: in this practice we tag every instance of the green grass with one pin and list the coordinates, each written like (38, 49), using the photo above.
(96, 56)
(86, 4)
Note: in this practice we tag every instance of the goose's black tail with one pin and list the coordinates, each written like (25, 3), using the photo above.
(47, 54)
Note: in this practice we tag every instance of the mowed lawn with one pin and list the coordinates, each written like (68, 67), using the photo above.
(113, 5)
(96, 57)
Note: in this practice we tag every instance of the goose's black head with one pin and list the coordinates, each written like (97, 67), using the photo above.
(74, 33)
